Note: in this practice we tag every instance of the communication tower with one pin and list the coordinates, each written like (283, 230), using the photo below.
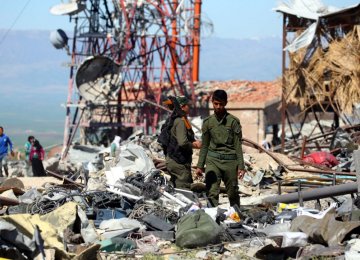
(126, 55)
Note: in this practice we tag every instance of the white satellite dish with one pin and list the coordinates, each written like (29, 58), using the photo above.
(97, 79)
(67, 8)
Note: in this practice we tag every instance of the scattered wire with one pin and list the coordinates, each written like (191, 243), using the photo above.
(57, 196)
(13, 24)
(140, 210)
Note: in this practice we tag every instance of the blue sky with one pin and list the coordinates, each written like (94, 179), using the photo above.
(231, 18)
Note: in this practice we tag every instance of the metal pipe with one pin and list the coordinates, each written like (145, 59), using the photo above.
(72, 134)
(70, 92)
(319, 171)
(322, 136)
(155, 104)
(283, 83)
(289, 168)
(169, 196)
(261, 149)
(356, 157)
(300, 197)
(279, 187)
(313, 194)
(196, 40)
(64, 178)
(303, 147)
(333, 132)
(8, 202)
(127, 195)
(174, 41)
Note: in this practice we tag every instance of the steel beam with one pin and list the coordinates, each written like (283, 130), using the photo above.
(356, 157)
(313, 194)
(8, 202)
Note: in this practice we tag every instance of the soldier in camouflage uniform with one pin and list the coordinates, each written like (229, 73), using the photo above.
(221, 151)
(179, 151)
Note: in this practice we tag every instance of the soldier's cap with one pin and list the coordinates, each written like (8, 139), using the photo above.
(219, 95)
(182, 100)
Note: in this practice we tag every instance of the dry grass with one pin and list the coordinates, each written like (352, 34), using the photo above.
(341, 62)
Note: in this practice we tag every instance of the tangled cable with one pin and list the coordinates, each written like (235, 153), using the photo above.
(55, 197)
(140, 210)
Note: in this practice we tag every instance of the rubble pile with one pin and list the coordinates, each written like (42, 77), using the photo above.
(330, 73)
(114, 204)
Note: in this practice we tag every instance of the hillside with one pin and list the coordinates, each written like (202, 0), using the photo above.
(33, 78)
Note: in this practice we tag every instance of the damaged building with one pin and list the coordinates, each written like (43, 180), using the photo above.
(256, 104)
(320, 64)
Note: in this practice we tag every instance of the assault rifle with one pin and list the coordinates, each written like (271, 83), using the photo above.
(169, 108)
(174, 106)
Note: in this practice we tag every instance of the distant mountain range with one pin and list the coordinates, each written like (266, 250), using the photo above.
(243, 59)
(33, 78)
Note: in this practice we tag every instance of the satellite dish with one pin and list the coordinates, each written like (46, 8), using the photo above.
(59, 39)
(67, 8)
(97, 79)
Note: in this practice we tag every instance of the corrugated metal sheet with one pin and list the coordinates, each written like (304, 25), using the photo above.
(312, 10)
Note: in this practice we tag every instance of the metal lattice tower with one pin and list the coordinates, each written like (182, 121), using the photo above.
(126, 55)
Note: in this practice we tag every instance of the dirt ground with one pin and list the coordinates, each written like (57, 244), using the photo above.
(38, 182)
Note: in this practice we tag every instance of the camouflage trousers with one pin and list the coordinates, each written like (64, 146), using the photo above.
(218, 170)
(180, 173)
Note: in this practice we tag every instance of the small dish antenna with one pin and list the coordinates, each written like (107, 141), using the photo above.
(67, 8)
(97, 79)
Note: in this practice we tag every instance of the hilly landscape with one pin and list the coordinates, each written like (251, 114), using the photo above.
(34, 78)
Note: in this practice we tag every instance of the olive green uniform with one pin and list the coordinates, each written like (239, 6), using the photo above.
(180, 173)
(222, 154)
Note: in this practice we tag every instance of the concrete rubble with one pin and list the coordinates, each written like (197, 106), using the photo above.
(98, 206)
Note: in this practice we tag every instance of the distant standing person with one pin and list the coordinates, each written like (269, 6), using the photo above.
(115, 151)
(115, 146)
(5, 142)
(28, 146)
(36, 157)
(221, 151)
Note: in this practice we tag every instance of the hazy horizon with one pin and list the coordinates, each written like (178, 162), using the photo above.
(34, 80)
